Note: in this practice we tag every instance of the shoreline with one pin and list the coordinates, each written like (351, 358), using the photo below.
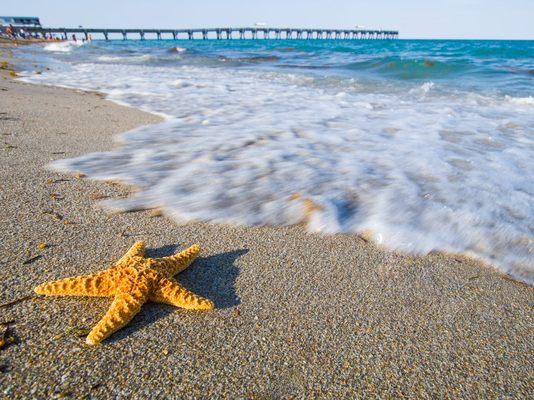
(297, 314)
(498, 243)
(365, 235)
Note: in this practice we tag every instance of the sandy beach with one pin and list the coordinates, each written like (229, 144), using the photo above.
(297, 315)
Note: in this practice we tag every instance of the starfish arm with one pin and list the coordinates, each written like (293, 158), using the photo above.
(98, 285)
(171, 292)
(170, 266)
(121, 311)
(138, 249)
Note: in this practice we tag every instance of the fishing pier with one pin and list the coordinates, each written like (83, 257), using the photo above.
(222, 33)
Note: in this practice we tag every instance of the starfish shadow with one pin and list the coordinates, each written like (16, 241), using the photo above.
(212, 277)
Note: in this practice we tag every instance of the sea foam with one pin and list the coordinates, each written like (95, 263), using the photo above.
(63, 47)
(133, 59)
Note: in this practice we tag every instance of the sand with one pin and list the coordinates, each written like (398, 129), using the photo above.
(297, 315)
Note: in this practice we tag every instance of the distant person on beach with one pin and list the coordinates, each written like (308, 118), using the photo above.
(74, 38)
(9, 31)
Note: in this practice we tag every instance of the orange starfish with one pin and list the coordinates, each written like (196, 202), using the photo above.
(132, 281)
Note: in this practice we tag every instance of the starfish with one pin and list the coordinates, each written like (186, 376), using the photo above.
(132, 281)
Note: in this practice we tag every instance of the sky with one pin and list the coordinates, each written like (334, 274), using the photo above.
(424, 19)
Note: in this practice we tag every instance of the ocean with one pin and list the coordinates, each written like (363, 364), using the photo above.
(420, 145)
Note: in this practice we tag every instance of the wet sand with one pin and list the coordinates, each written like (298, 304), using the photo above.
(297, 315)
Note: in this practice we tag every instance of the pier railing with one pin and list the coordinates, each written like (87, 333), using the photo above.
(225, 33)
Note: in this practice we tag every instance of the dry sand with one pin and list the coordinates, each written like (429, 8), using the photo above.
(298, 315)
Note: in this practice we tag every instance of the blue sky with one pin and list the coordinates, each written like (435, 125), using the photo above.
(491, 19)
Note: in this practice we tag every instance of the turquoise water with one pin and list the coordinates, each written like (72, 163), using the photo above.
(496, 66)
(424, 145)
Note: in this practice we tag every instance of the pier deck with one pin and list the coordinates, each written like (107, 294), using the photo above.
(226, 33)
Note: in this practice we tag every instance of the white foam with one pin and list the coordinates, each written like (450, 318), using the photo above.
(140, 58)
(423, 89)
(522, 101)
(63, 47)
(449, 173)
